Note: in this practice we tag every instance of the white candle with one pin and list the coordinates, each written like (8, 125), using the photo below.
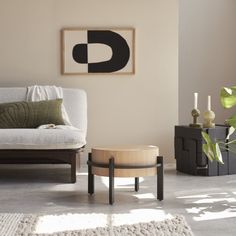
(209, 103)
(195, 100)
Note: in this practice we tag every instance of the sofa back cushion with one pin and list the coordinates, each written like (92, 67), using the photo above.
(30, 114)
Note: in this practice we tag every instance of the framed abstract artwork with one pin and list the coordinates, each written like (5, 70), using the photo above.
(97, 51)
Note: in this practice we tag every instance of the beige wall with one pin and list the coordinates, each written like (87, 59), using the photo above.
(137, 109)
(207, 54)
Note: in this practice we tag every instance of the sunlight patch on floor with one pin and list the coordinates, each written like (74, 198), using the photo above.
(194, 196)
(67, 222)
(213, 200)
(141, 215)
(145, 196)
(121, 182)
(199, 196)
(57, 223)
(211, 206)
(195, 209)
(207, 215)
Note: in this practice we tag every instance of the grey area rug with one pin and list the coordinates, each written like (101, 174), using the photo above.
(24, 225)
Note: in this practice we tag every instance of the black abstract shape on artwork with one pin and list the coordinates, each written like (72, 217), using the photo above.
(80, 53)
(119, 46)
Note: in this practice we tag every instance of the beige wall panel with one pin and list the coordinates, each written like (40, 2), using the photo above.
(207, 54)
(122, 109)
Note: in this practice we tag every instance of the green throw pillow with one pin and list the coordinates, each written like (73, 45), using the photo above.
(30, 114)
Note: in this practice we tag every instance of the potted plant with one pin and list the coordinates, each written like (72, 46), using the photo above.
(212, 148)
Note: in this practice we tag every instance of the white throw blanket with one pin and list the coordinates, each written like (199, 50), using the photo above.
(38, 93)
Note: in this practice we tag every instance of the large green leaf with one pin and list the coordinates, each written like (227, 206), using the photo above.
(206, 137)
(218, 154)
(208, 151)
(208, 148)
(231, 131)
(232, 121)
(211, 149)
(228, 97)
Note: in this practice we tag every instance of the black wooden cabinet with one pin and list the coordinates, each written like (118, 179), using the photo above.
(190, 158)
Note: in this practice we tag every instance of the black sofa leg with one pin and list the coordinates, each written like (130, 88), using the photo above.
(136, 184)
(90, 175)
(73, 169)
(160, 178)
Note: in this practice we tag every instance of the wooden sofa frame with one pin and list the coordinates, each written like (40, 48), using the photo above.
(44, 156)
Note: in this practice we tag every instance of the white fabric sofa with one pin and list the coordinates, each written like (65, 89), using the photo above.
(46, 145)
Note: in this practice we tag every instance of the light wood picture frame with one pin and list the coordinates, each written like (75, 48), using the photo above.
(97, 51)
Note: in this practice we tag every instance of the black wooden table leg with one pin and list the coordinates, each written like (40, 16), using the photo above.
(73, 168)
(136, 184)
(160, 178)
(111, 180)
(90, 175)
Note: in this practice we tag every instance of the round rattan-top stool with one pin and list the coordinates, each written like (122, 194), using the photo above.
(125, 161)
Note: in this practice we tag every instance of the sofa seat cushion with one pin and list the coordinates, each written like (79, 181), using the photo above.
(41, 139)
